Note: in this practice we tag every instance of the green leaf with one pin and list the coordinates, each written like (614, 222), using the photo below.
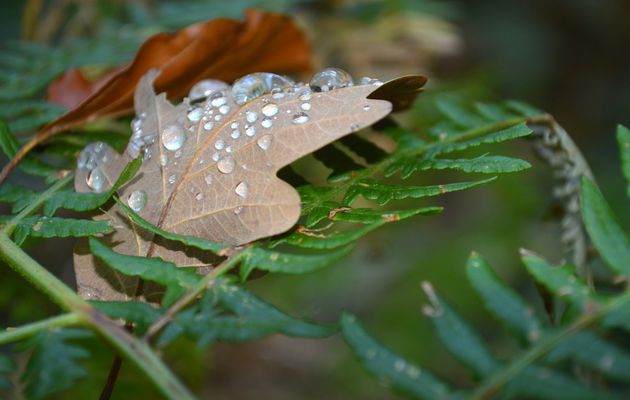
(457, 114)
(88, 201)
(10, 147)
(327, 240)
(623, 139)
(493, 112)
(176, 280)
(192, 241)
(273, 261)
(407, 141)
(561, 281)
(16, 194)
(7, 366)
(523, 108)
(140, 313)
(494, 136)
(588, 349)
(482, 165)
(383, 193)
(54, 364)
(542, 383)
(460, 339)
(49, 227)
(232, 314)
(607, 235)
(370, 216)
(502, 301)
(402, 375)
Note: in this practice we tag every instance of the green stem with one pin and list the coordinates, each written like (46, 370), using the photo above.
(138, 352)
(25, 331)
(203, 284)
(491, 385)
(41, 199)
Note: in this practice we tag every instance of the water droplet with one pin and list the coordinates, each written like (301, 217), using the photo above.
(178, 153)
(219, 144)
(235, 134)
(163, 160)
(234, 125)
(266, 123)
(208, 179)
(251, 116)
(96, 179)
(173, 137)
(366, 80)
(224, 109)
(205, 88)
(264, 142)
(171, 179)
(306, 95)
(277, 93)
(270, 109)
(92, 155)
(413, 372)
(238, 210)
(199, 196)
(226, 165)
(242, 189)
(228, 149)
(208, 126)
(305, 106)
(250, 131)
(399, 365)
(137, 200)
(218, 100)
(366, 107)
(218, 117)
(195, 114)
(329, 79)
(254, 85)
(300, 118)
(354, 127)
(216, 157)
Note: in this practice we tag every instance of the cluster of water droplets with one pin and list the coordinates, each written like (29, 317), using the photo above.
(92, 159)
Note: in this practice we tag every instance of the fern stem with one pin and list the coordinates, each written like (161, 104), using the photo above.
(491, 385)
(41, 199)
(25, 331)
(137, 351)
(203, 284)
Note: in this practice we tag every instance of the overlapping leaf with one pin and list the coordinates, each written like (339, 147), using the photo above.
(220, 183)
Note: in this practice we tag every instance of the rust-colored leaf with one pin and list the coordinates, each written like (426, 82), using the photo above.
(210, 169)
(222, 49)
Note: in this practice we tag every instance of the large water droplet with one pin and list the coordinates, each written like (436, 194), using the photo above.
(254, 85)
(300, 118)
(251, 116)
(218, 100)
(305, 106)
(250, 131)
(205, 88)
(195, 114)
(270, 109)
(264, 142)
(242, 189)
(137, 200)
(329, 79)
(96, 179)
(226, 165)
(266, 123)
(173, 137)
(224, 109)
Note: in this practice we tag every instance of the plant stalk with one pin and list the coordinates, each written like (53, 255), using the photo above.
(10, 335)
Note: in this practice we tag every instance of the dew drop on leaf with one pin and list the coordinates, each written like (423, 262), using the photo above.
(224, 109)
(195, 114)
(208, 179)
(226, 165)
(270, 109)
(300, 118)
(266, 123)
(96, 179)
(250, 131)
(206, 88)
(235, 134)
(218, 100)
(219, 144)
(171, 179)
(137, 200)
(208, 126)
(242, 189)
(173, 137)
(254, 85)
(251, 116)
(264, 142)
(366, 107)
(329, 79)
(306, 106)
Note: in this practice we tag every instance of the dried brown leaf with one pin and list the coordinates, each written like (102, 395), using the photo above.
(221, 184)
